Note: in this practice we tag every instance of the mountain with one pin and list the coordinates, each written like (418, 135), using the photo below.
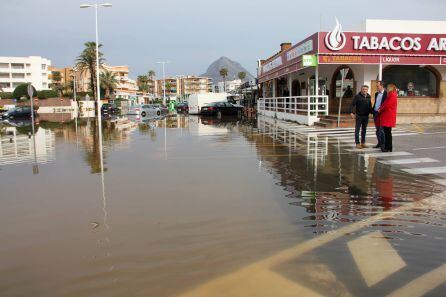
(233, 69)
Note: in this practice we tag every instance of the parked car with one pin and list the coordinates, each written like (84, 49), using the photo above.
(108, 108)
(150, 110)
(220, 109)
(2, 109)
(164, 110)
(183, 108)
(18, 112)
(134, 110)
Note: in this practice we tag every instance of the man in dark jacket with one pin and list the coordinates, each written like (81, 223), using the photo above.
(360, 110)
(380, 97)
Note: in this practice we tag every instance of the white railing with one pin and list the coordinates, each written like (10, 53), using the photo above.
(302, 109)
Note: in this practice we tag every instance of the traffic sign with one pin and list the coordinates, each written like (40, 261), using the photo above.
(30, 91)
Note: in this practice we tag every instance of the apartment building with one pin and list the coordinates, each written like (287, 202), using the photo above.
(195, 84)
(18, 70)
(172, 84)
(184, 86)
(66, 74)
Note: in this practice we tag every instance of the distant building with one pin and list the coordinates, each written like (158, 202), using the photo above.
(66, 75)
(126, 87)
(182, 86)
(18, 70)
(231, 86)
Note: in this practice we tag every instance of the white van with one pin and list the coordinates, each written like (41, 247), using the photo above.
(196, 101)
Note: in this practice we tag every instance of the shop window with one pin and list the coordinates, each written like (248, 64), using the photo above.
(412, 81)
(282, 87)
(343, 83)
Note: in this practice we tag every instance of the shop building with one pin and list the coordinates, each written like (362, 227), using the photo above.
(409, 54)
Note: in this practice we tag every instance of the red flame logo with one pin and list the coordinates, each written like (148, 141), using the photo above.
(335, 40)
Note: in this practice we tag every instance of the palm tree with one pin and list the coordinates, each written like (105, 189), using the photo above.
(224, 74)
(86, 61)
(56, 84)
(151, 74)
(168, 87)
(242, 75)
(108, 82)
(142, 82)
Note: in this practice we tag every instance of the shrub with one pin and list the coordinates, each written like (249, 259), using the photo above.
(22, 91)
(5, 95)
(45, 94)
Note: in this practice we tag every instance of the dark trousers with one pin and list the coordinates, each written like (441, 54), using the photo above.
(379, 131)
(388, 138)
(361, 123)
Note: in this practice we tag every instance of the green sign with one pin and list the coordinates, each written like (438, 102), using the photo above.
(309, 60)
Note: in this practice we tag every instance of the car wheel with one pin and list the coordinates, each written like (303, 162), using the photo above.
(158, 113)
(219, 114)
(143, 114)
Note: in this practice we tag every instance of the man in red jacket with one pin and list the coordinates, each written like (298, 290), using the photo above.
(387, 116)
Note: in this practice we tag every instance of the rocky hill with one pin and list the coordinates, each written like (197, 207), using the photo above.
(233, 69)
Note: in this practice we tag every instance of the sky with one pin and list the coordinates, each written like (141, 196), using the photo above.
(191, 34)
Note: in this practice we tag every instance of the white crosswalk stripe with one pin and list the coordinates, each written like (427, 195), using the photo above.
(408, 161)
(389, 154)
(426, 170)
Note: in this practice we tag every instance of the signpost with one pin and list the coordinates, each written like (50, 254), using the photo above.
(31, 94)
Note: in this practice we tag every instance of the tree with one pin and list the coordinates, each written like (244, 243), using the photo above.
(22, 91)
(224, 74)
(151, 74)
(56, 84)
(86, 61)
(242, 75)
(168, 87)
(142, 82)
(108, 82)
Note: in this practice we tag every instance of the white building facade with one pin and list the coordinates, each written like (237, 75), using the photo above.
(18, 70)
(231, 86)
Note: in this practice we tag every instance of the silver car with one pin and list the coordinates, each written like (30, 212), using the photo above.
(151, 110)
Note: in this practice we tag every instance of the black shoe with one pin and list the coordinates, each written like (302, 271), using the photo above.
(377, 146)
(384, 150)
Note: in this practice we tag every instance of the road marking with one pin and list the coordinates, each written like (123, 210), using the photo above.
(429, 148)
(242, 277)
(427, 170)
(423, 284)
(375, 257)
(440, 182)
(389, 154)
(369, 149)
(408, 161)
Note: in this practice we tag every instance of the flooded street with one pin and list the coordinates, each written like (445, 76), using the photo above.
(188, 206)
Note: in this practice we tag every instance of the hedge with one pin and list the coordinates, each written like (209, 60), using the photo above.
(45, 94)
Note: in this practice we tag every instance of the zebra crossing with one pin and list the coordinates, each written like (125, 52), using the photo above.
(345, 139)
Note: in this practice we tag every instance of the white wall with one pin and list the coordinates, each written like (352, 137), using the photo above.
(34, 73)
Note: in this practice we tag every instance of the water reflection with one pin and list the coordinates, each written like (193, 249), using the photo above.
(333, 185)
(135, 206)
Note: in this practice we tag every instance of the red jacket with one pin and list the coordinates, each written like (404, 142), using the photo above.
(387, 111)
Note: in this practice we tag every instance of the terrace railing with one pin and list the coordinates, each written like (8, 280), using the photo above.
(302, 109)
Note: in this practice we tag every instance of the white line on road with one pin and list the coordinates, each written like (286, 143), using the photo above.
(408, 161)
(429, 148)
(389, 154)
(427, 170)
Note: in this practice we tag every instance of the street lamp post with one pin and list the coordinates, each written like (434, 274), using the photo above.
(98, 92)
(164, 80)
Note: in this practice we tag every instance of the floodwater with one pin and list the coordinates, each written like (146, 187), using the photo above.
(203, 207)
